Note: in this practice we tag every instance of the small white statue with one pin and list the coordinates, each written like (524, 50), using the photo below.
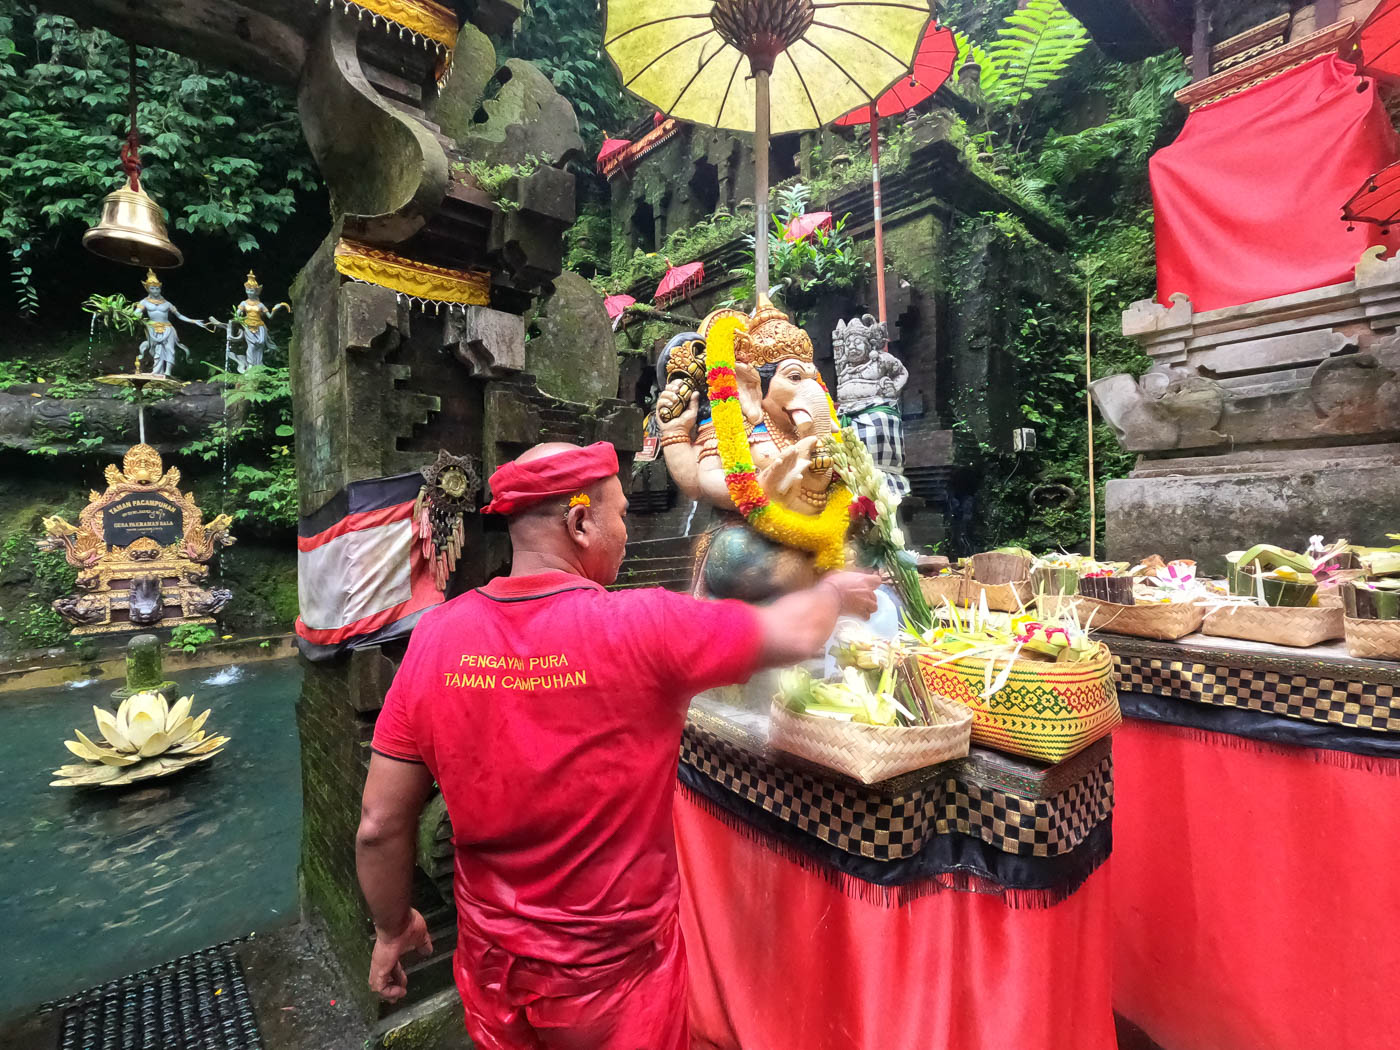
(868, 383)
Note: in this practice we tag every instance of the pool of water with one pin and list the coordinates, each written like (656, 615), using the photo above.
(97, 883)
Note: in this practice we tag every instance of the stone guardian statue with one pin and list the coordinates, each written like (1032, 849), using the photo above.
(868, 383)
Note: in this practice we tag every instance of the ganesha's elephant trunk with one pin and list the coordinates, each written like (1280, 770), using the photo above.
(810, 411)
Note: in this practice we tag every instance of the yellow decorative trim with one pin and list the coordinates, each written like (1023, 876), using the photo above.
(433, 23)
(431, 284)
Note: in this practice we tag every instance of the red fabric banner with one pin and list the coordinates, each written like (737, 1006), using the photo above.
(781, 959)
(1252, 893)
(1248, 197)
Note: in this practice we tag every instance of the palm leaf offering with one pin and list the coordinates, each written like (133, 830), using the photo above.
(145, 738)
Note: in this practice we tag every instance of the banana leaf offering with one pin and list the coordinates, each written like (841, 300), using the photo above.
(1372, 599)
(1273, 575)
(1380, 561)
(878, 686)
(1059, 574)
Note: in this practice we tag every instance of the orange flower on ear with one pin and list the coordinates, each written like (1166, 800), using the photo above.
(581, 500)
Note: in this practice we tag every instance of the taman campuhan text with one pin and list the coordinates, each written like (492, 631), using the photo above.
(533, 677)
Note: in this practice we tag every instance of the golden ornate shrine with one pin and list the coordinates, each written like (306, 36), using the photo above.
(142, 550)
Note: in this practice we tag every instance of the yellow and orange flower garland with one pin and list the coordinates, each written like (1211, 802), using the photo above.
(823, 535)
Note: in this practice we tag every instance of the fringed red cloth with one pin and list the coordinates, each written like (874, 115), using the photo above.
(783, 958)
(1248, 198)
(1252, 892)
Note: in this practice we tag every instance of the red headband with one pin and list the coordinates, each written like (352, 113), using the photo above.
(516, 486)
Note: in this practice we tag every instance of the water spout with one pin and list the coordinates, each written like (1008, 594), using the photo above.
(689, 518)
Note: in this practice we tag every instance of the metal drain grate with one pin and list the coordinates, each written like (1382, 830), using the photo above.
(198, 1002)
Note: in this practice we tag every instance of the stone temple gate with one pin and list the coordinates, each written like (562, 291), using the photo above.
(409, 326)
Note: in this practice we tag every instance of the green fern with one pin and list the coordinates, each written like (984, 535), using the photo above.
(1032, 50)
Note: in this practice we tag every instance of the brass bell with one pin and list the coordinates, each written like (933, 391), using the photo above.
(132, 231)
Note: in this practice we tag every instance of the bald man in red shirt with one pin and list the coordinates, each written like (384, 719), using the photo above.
(549, 711)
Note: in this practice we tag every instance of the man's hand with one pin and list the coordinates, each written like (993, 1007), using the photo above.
(387, 978)
(796, 626)
(856, 591)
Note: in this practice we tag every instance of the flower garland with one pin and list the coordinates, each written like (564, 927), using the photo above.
(824, 534)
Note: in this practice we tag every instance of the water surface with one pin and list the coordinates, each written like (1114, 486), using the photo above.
(97, 883)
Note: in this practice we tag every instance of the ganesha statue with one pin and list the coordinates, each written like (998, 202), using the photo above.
(868, 383)
(746, 425)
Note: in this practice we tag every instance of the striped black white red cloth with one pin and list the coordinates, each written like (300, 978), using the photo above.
(361, 577)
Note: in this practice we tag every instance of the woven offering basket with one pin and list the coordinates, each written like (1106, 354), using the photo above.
(937, 588)
(1279, 625)
(1001, 597)
(1373, 639)
(1165, 622)
(1047, 711)
(871, 753)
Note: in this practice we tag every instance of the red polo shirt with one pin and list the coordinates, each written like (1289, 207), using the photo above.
(550, 712)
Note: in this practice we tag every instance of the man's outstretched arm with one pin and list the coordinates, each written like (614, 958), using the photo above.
(384, 856)
(796, 626)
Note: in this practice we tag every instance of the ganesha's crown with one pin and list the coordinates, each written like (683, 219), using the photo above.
(772, 337)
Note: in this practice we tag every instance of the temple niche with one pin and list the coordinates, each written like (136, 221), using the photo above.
(142, 550)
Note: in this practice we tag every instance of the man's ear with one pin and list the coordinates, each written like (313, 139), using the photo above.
(750, 392)
(576, 525)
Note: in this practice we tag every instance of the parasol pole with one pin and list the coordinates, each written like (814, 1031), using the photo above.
(760, 182)
(879, 218)
(1089, 410)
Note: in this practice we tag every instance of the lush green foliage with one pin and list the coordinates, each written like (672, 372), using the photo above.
(495, 179)
(31, 620)
(681, 246)
(1032, 50)
(190, 636)
(828, 260)
(261, 483)
(564, 38)
(223, 154)
(113, 311)
(1095, 182)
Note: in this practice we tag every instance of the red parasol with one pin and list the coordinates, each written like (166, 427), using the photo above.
(1378, 199)
(803, 226)
(612, 147)
(679, 281)
(615, 304)
(1379, 42)
(933, 64)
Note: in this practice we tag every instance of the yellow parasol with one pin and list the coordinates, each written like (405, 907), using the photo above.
(765, 66)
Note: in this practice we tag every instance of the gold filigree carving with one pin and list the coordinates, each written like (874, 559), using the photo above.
(179, 565)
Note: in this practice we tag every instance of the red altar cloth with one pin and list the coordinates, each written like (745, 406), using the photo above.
(1248, 197)
(780, 959)
(1252, 894)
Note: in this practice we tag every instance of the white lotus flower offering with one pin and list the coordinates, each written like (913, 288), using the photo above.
(146, 738)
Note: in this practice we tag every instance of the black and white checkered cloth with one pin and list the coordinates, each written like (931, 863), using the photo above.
(882, 432)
